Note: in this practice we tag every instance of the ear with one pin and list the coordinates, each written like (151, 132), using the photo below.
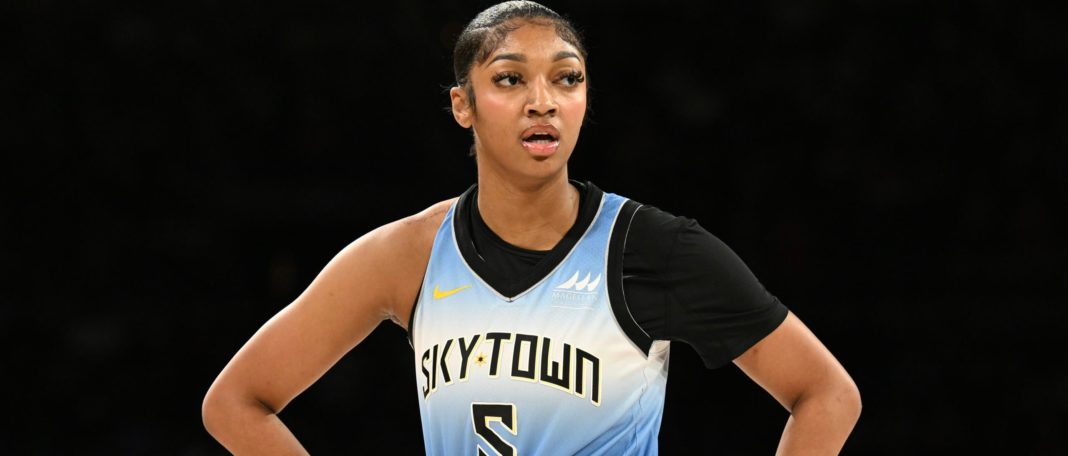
(461, 109)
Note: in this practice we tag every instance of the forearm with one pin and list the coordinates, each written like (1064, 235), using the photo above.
(820, 424)
(249, 427)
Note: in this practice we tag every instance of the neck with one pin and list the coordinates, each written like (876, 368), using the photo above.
(531, 215)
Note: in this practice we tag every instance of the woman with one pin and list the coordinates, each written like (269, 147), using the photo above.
(539, 308)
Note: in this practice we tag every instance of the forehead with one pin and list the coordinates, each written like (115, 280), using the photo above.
(533, 41)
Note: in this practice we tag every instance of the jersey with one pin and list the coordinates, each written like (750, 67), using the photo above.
(548, 369)
(680, 282)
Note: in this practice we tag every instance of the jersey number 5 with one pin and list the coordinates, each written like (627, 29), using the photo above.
(482, 414)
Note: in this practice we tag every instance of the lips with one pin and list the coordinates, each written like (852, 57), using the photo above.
(541, 140)
(545, 132)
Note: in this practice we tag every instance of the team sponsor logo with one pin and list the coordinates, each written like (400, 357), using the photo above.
(576, 285)
(577, 293)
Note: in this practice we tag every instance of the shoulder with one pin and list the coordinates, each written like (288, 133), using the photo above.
(415, 232)
(652, 233)
(654, 221)
(395, 255)
(409, 242)
(663, 243)
(403, 238)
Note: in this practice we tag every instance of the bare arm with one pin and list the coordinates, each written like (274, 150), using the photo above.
(800, 373)
(375, 278)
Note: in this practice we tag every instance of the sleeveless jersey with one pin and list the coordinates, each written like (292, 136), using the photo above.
(548, 371)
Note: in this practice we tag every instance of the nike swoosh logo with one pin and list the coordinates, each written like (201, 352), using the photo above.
(438, 294)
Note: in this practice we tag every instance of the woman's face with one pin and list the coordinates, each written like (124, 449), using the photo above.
(530, 99)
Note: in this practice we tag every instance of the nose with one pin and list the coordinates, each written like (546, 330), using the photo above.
(541, 101)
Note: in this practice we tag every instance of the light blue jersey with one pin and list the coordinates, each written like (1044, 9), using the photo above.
(549, 371)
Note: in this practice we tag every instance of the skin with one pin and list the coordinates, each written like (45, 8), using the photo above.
(526, 199)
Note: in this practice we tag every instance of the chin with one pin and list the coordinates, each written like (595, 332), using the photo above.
(520, 165)
(540, 169)
(548, 168)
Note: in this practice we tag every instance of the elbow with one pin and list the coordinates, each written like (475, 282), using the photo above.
(221, 408)
(227, 408)
(849, 401)
(212, 410)
(840, 399)
(841, 396)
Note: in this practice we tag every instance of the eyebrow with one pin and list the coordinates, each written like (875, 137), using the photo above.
(566, 55)
(515, 57)
(522, 58)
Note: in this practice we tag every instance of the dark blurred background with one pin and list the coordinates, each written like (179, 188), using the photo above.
(177, 172)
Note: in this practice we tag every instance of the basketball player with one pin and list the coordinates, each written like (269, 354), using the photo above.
(540, 308)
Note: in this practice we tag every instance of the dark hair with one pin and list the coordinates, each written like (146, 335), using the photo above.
(487, 30)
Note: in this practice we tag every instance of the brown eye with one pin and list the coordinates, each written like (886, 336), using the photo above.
(507, 79)
(572, 79)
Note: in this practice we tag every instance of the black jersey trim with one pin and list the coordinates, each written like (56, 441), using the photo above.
(415, 305)
(616, 296)
(507, 289)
